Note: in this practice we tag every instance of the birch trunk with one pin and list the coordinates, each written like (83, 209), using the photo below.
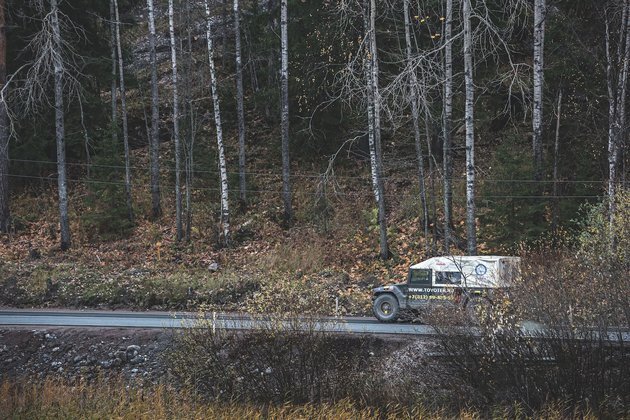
(5, 214)
(239, 106)
(537, 114)
(470, 132)
(225, 213)
(370, 100)
(284, 82)
(556, 158)
(123, 104)
(178, 155)
(60, 129)
(416, 127)
(156, 207)
(447, 126)
(382, 221)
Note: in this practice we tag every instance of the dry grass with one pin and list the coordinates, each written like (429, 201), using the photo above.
(58, 400)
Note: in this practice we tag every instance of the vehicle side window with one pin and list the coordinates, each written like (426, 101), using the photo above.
(420, 277)
(448, 277)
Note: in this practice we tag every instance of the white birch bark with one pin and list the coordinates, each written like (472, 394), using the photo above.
(413, 90)
(540, 13)
(178, 154)
(447, 124)
(370, 99)
(60, 129)
(5, 215)
(156, 207)
(239, 106)
(471, 231)
(225, 212)
(382, 220)
(284, 98)
(123, 104)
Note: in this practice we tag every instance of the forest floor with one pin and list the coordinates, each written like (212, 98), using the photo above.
(329, 253)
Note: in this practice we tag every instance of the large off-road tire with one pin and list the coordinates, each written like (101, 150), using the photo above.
(386, 308)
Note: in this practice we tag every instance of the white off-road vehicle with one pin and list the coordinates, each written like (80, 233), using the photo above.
(462, 280)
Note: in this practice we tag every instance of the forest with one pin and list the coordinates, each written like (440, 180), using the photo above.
(313, 137)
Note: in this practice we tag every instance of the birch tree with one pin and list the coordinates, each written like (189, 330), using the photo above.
(225, 212)
(154, 142)
(413, 90)
(5, 214)
(447, 124)
(471, 231)
(284, 115)
(123, 103)
(178, 193)
(540, 13)
(239, 105)
(376, 127)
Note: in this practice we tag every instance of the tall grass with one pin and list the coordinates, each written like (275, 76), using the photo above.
(54, 399)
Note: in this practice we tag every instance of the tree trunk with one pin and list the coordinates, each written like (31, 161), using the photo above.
(370, 100)
(59, 129)
(123, 103)
(190, 139)
(446, 126)
(225, 213)
(112, 27)
(5, 215)
(416, 127)
(556, 158)
(537, 115)
(239, 107)
(156, 208)
(617, 91)
(470, 132)
(382, 221)
(284, 82)
(178, 156)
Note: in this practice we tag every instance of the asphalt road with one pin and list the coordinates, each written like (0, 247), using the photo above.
(65, 318)
(348, 325)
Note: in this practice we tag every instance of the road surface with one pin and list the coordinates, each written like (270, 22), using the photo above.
(66, 318)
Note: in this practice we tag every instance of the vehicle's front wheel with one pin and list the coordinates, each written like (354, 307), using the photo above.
(386, 308)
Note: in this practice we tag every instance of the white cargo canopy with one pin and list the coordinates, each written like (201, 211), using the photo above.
(477, 271)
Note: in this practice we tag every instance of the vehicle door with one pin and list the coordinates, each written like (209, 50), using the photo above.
(419, 287)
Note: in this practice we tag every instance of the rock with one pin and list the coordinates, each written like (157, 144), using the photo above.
(137, 359)
(213, 267)
(132, 351)
(106, 364)
(50, 336)
(78, 359)
(56, 349)
(121, 355)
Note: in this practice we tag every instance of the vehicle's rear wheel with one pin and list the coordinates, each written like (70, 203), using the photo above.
(386, 308)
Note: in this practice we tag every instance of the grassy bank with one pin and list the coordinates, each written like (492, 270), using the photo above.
(55, 400)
